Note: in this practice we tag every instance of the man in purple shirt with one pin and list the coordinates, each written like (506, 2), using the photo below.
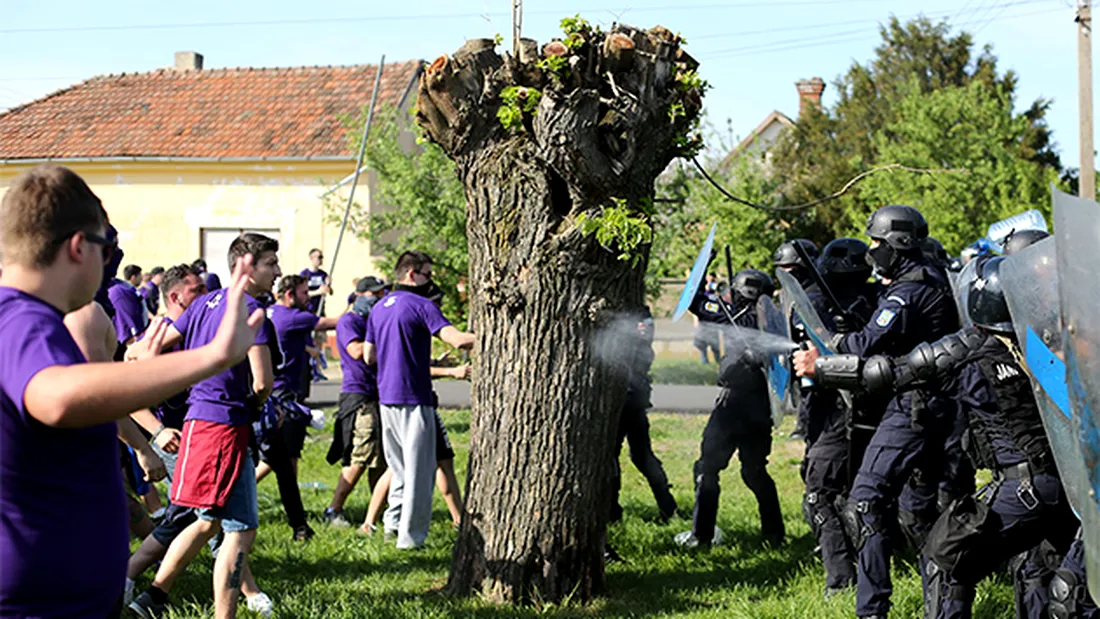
(214, 472)
(210, 279)
(294, 327)
(57, 412)
(130, 316)
(319, 283)
(357, 433)
(398, 340)
(150, 291)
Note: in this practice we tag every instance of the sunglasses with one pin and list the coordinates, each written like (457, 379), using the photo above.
(109, 245)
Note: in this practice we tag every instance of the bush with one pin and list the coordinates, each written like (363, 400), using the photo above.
(683, 372)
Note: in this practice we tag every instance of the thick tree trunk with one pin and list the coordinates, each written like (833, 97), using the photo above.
(547, 392)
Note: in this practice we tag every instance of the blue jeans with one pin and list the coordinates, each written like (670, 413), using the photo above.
(241, 511)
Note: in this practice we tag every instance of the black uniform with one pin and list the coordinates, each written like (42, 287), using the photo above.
(634, 427)
(741, 421)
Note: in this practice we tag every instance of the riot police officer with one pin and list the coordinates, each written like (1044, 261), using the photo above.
(741, 420)
(1025, 502)
(827, 472)
(916, 306)
(786, 257)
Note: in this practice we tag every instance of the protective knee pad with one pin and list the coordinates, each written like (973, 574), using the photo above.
(912, 529)
(813, 506)
(861, 520)
(1066, 593)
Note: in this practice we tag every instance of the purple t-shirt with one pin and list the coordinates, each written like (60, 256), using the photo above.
(294, 328)
(150, 295)
(213, 282)
(401, 327)
(130, 317)
(172, 411)
(358, 376)
(63, 534)
(315, 280)
(220, 398)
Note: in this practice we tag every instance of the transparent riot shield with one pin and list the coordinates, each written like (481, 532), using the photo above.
(962, 289)
(1077, 243)
(1030, 280)
(781, 386)
(792, 296)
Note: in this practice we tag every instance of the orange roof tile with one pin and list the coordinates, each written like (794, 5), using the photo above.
(232, 113)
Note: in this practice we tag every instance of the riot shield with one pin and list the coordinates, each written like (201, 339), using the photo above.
(781, 389)
(999, 231)
(792, 296)
(1030, 280)
(962, 289)
(1077, 231)
(698, 271)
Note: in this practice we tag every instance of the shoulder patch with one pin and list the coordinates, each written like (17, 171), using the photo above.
(896, 299)
(711, 307)
(885, 317)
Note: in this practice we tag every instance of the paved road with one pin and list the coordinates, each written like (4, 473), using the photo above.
(456, 394)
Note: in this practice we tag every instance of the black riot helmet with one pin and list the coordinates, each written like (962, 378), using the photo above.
(786, 256)
(934, 252)
(751, 284)
(845, 257)
(1017, 240)
(900, 231)
(985, 302)
(899, 226)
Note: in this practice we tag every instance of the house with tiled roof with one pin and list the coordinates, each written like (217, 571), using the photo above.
(185, 158)
(760, 141)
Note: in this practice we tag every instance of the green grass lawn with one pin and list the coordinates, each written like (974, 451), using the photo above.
(339, 574)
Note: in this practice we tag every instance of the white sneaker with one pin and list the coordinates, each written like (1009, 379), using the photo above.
(261, 604)
(128, 593)
(688, 540)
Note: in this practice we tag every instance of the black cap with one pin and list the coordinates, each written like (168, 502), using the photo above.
(370, 284)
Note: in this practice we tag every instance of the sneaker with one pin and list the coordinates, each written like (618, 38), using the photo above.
(335, 518)
(389, 536)
(688, 540)
(303, 533)
(128, 593)
(144, 606)
(262, 604)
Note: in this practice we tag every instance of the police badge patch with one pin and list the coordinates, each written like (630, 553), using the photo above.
(711, 307)
(885, 317)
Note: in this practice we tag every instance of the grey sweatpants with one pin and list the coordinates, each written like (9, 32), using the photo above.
(408, 440)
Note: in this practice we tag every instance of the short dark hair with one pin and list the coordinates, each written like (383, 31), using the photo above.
(175, 276)
(156, 271)
(130, 271)
(288, 283)
(250, 244)
(42, 208)
(199, 263)
(410, 261)
(314, 251)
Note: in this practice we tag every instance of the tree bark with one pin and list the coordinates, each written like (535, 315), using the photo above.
(545, 396)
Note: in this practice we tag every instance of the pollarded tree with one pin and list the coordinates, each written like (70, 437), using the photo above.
(558, 150)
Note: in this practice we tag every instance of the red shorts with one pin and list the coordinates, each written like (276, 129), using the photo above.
(209, 462)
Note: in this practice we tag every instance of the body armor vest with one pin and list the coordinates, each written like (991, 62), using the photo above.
(1017, 418)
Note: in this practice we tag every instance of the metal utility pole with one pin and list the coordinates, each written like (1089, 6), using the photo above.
(1084, 98)
(517, 25)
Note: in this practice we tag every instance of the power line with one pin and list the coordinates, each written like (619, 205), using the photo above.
(409, 17)
(824, 41)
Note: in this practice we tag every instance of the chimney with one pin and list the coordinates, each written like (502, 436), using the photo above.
(809, 92)
(188, 61)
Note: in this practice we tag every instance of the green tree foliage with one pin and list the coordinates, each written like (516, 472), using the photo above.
(419, 204)
(965, 127)
(872, 118)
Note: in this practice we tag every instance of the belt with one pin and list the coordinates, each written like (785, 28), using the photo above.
(1015, 471)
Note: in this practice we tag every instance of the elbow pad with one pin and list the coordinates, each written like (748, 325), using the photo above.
(879, 375)
(931, 362)
(839, 372)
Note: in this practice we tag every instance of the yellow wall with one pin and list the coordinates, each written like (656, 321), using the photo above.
(160, 209)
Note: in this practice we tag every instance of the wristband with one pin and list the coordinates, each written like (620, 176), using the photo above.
(153, 438)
